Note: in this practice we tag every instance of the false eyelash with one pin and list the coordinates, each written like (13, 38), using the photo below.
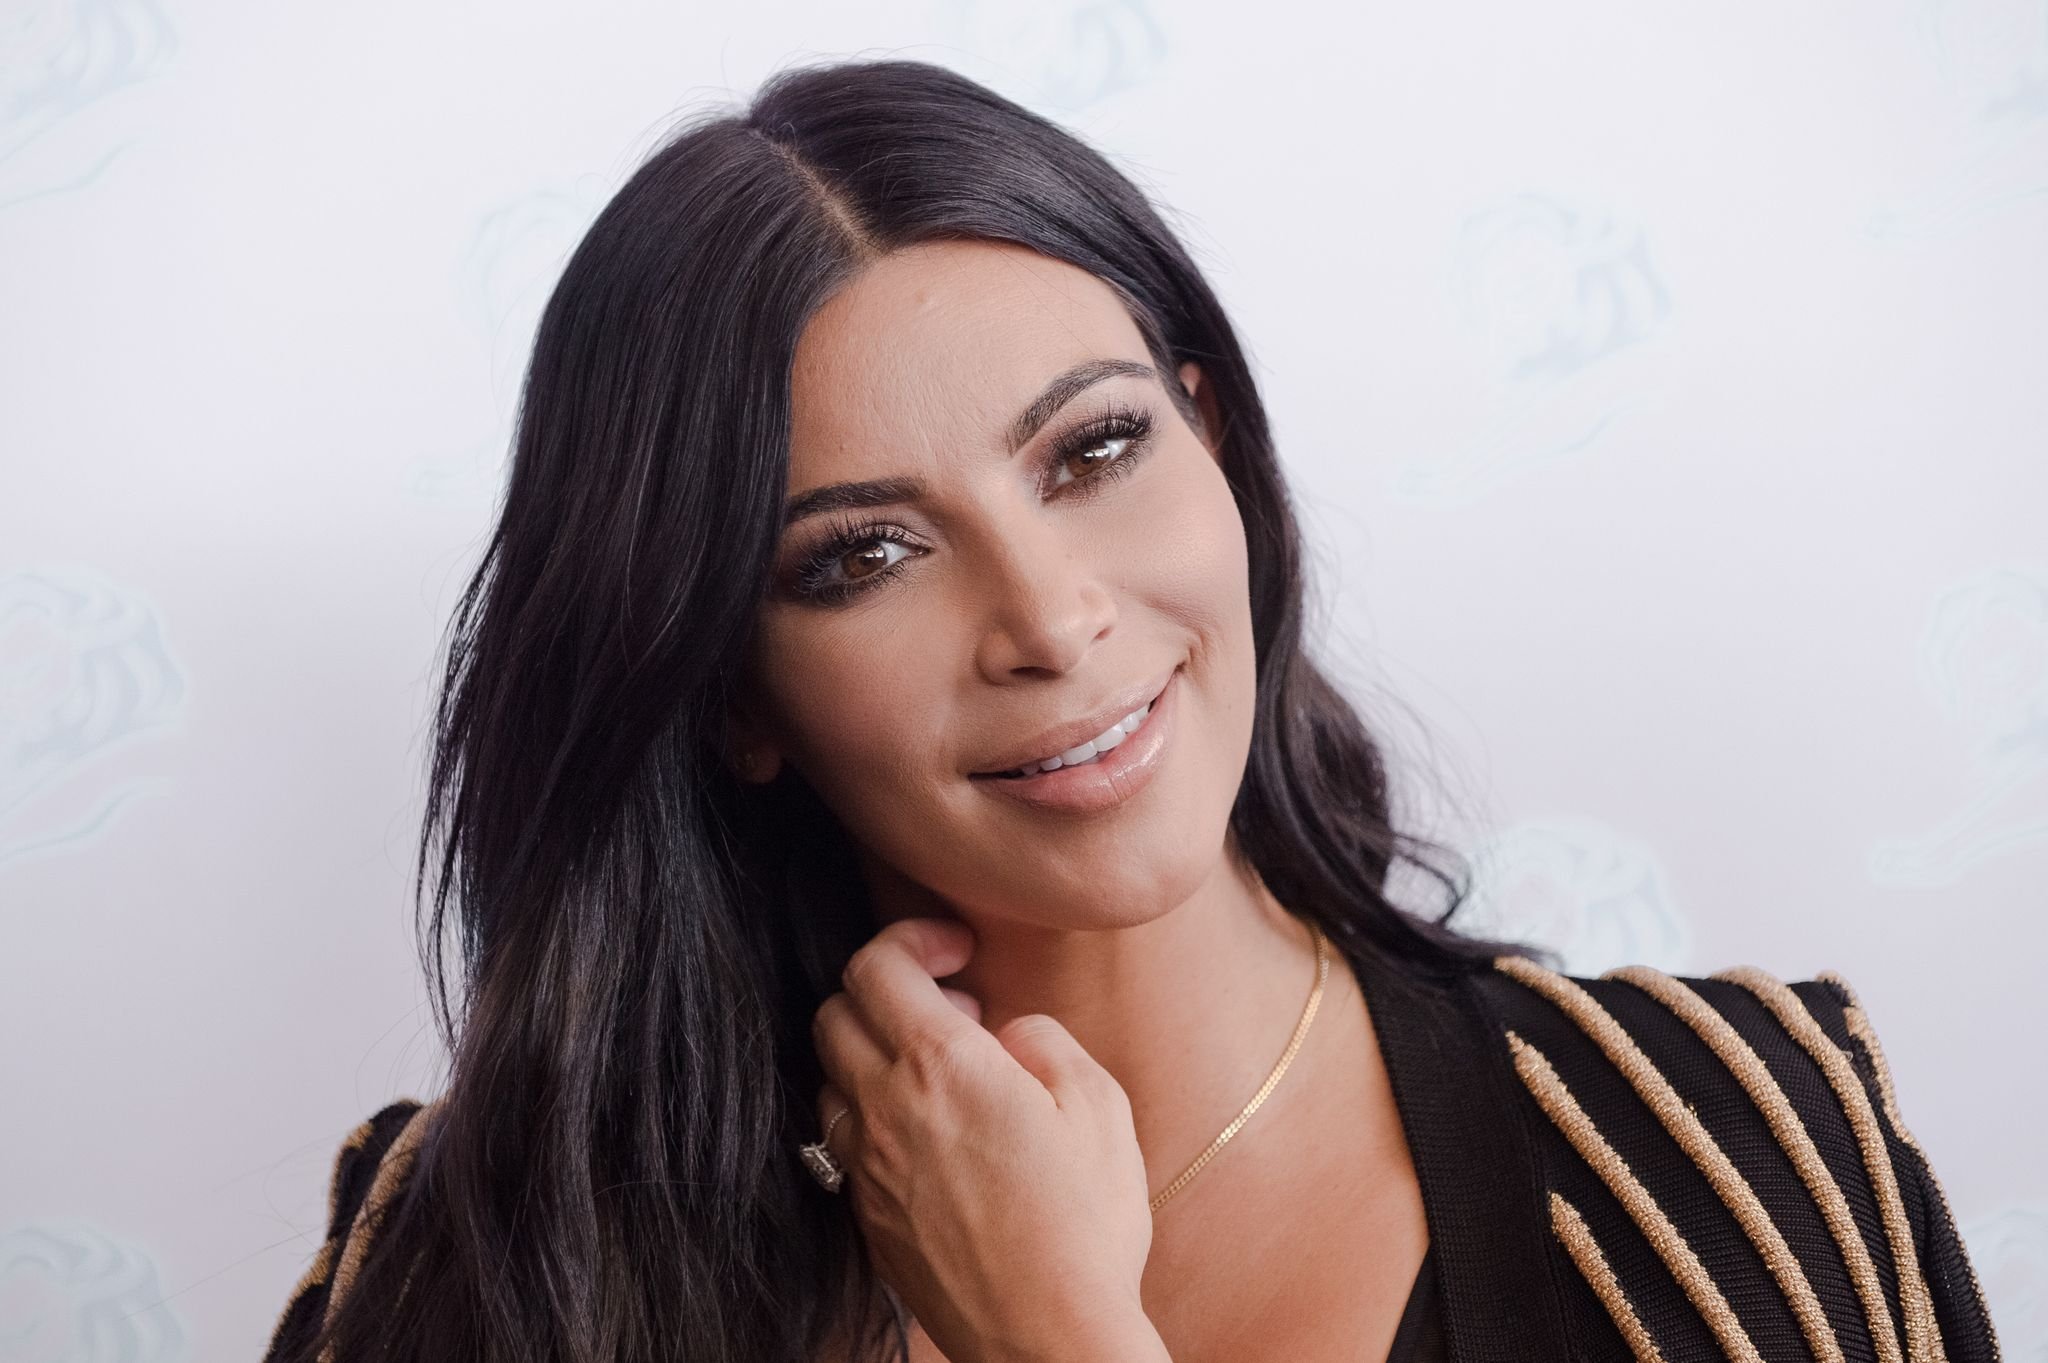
(843, 536)
(1118, 421)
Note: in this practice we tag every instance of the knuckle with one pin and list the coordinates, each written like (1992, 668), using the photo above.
(935, 1055)
(859, 965)
(1040, 1031)
(1035, 1025)
(880, 1143)
(827, 1016)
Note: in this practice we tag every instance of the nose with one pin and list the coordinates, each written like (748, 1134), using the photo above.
(1045, 603)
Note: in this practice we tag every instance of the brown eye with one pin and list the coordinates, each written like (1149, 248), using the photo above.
(1085, 461)
(869, 558)
(851, 559)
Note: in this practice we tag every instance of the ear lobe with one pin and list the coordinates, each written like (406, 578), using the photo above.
(751, 756)
(758, 765)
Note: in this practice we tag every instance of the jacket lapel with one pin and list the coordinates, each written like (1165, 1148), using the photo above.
(1482, 1189)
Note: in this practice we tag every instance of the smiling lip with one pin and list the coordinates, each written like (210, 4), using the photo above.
(1058, 739)
(1110, 779)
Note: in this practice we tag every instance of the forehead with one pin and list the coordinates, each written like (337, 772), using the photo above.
(938, 346)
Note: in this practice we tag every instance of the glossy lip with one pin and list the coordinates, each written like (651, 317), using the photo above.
(1107, 782)
(1073, 734)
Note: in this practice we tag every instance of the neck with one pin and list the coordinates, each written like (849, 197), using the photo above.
(1189, 1011)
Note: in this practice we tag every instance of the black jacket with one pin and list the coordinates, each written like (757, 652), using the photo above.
(1639, 1167)
(1629, 1168)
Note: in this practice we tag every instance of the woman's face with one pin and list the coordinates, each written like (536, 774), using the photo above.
(1024, 557)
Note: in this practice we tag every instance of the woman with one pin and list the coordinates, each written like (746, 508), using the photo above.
(915, 891)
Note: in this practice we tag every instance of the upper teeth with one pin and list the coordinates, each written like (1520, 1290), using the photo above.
(1094, 747)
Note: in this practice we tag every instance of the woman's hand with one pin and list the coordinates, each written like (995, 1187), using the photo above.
(996, 1176)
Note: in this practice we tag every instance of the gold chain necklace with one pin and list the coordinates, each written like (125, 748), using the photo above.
(1308, 1015)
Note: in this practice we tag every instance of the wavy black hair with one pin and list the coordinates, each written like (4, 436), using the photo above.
(643, 939)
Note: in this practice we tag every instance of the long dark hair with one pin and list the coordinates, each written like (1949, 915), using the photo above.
(612, 1172)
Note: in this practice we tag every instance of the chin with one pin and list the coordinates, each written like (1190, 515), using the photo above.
(1075, 900)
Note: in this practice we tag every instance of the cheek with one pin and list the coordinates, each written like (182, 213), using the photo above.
(1190, 570)
(1186, 560)
(853, 717)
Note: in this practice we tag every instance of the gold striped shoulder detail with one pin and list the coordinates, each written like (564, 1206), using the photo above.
(322, 1266)
(1693, 1138)
(1858, 1023)
(1755, 1078)
(1859, 1027)
(1923, 1333)
(391, 1171)
(1565, 1113)
(1578, 1240)
(356, 1140)
(315, 1274)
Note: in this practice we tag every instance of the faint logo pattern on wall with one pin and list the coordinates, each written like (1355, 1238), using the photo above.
(2009, 1250)
(85, 677)
(1991, 57)
(1579, 887)
(1985, 659)
(1072, 55)
(69, 1293)
(514, 258)
(61, 62)
(1565, 306)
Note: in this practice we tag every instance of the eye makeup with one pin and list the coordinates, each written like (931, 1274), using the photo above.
(1121, 428)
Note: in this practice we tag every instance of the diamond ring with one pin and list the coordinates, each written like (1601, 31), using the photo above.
(818, 1158)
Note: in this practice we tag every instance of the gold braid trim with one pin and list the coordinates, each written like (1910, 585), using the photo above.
(1923, 1334)
(1565, 1113)
(1858, 1023)
(1756, 1080)
(357, 1139)
(1578, 1241)
(323, 1261)
(391, 1172)
(315, 1274)
(1693, 1138)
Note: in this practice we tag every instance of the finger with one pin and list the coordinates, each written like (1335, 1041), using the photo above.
(846, 1049)
(963, 1000)
(1049, 1051)
(832, 1102)
(893, 981)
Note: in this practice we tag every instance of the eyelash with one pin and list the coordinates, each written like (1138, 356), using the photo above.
(1118, 421)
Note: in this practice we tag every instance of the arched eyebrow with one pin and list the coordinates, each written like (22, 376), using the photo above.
(1064, 387)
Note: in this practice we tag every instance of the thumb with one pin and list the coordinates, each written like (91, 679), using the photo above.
(1047, 1049)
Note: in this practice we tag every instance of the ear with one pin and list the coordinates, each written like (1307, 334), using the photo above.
(752, 755)
(1203, 393)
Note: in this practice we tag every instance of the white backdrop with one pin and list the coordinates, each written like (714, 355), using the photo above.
(1665, 388)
